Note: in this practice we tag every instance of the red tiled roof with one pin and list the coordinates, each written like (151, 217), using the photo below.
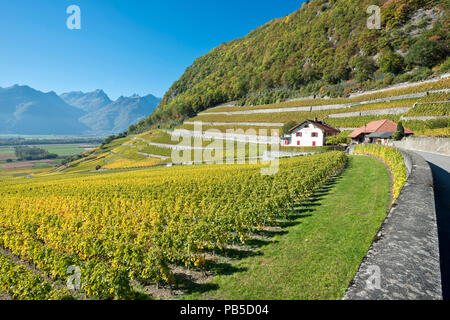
(378, 126)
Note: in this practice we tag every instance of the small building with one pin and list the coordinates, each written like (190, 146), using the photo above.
(309, 133)
(377, 132)
(380, 137)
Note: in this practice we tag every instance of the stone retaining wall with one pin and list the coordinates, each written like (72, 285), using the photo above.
(425, 118)
(376, 112)
(425, 144)
(247, 124)
(231, 137)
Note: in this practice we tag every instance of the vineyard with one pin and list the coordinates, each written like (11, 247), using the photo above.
(299, 115)
(127, 228)
(420, 88)
(429, 100)
(430, 109)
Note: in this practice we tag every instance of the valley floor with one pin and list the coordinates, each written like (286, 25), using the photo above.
(317, 253)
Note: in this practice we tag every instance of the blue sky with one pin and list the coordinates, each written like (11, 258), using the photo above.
(124, 46)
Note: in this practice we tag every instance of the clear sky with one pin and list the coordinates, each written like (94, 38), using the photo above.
(124, 46)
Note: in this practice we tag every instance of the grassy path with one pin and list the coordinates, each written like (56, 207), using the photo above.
(320, 250)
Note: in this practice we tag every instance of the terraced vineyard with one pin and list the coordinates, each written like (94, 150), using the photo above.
(295, 115)
(430, 109)
(398, 93)
(428, 100)
(133, 227)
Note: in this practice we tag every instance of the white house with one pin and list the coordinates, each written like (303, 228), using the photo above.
(309, 134)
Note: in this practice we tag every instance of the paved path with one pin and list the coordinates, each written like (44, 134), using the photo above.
(440, 165)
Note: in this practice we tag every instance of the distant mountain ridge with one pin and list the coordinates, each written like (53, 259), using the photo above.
(118, 115)
(24, 110)
(91, 101)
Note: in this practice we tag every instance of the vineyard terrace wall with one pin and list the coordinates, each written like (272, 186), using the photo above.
(425, 144)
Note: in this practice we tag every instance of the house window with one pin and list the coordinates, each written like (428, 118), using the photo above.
(298, 142)
(314, 134)
(314, 143)
(299, 134)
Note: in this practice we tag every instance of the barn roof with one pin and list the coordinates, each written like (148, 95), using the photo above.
(378, 126)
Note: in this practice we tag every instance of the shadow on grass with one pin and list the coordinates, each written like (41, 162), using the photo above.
(224, 269)
(270, 233)
(238, 254)
(190, 286)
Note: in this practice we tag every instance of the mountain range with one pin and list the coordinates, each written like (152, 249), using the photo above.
(24, 110)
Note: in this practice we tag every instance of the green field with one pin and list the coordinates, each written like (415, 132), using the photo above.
(63, 150)
(317, 252)
(6, 150)
(60, 150)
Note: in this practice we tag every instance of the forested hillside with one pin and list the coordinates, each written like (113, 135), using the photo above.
(323, 48)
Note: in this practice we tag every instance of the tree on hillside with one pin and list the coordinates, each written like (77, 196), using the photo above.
(288, 126)
(425, 53)
(364, 67)
(400, 133)
(391, 62)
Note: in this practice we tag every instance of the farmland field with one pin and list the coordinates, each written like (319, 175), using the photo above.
(6, 150)
(62, 150)
(65, 149)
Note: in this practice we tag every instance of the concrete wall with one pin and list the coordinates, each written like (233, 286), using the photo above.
(425, 144)
(211, 134)
(403, 261)
(248, 124)
(371, 112)
(425, 118)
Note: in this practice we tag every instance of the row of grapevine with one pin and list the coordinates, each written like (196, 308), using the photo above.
(440, 132)
(21, 283)
(430, 109)
(436, 97)
(130, 164)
